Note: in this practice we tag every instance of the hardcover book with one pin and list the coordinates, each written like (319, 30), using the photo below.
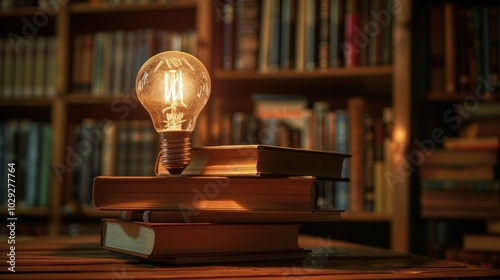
(262, 160)
(184, 193)
(179, 243)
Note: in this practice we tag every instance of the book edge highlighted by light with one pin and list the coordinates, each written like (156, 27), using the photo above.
(261, 160)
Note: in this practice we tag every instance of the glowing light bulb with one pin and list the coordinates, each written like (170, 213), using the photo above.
(173, 87)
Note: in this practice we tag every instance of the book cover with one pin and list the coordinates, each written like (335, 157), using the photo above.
(191, 193)
(486, 242)
(255, 160)
(164, 240)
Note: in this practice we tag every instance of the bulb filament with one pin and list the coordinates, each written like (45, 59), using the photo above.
(174, 98)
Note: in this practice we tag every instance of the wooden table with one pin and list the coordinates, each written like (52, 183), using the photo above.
(82, 258)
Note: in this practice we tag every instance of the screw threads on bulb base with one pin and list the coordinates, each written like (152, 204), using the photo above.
(175, 150)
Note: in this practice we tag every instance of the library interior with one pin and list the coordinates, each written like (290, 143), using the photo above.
(159, 139)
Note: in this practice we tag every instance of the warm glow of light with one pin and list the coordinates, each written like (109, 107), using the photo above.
(399, 135)
(218, 205)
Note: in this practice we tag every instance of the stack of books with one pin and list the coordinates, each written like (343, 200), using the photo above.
(232, 203)
(461, 180)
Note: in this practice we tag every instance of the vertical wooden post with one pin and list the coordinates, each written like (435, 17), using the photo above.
(58, 116)
(401, 96)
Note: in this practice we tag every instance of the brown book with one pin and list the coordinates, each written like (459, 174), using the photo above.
(200, 242)
(478, 172)
(461, 157)
(490, 143)
(482, 242)
(191, 193)
(261, 160)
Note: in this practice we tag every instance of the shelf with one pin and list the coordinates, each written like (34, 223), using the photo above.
(87, 98)
(456, 96)
(359, 72)
(446, 214)
(86, 8)
(366, 217)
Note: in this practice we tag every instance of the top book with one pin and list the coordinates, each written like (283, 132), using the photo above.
(261, 160)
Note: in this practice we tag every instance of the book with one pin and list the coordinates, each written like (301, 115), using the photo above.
(486, 172)
(442, 157)
(481, 242)
(247, 23)
(192, 193)
(336, 33)
(175, 242)
(261, 160)
(231, 216)
(490, 143)
(351, 46)
(356, 110)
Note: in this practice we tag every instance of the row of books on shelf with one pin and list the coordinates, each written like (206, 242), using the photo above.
(253, 212)
(28, 67)
(462, 179)
(299, 34)
(28, 145)
(463, 47)
(106, 63)
(121, 148)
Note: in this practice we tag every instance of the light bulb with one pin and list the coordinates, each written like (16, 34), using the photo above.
(173, 87)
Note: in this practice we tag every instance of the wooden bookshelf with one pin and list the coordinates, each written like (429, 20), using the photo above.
(385, 84)
(467, 76)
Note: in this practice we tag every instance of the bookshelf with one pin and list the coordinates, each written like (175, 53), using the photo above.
(442, 83)
(381, 85)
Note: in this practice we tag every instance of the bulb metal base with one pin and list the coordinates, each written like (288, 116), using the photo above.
(175, 150)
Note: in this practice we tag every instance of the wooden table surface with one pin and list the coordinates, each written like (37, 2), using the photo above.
(82, 258)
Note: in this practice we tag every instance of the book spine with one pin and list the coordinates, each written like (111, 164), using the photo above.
(311, 38)
(247, 34)
(324, 24)
(450, 47)
(265, 33)
(336, 33)
(353, 32)
(274, 35)
(228, 18)
(287, 33)
(300, 42)
(50, 78)
(45, 160)
(342, 146)
(356, 110)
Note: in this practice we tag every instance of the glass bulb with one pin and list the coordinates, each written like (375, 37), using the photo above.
(173, 87)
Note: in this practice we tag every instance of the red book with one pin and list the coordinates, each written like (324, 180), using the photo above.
(354, 36)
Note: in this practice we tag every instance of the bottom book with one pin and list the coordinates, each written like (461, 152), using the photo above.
(191, 243)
